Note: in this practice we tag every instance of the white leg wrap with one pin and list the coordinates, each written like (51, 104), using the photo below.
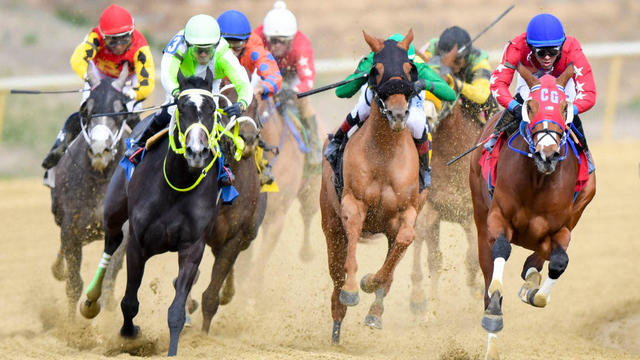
(104, 262)
(498, 272)
(530, 271)
(547, 286)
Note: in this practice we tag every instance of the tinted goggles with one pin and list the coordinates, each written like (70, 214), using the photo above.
(284, 40)
(113, 41)
(541, 52)
(203, 49)
(237, 44)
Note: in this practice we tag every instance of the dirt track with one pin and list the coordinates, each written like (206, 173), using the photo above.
(594, 313)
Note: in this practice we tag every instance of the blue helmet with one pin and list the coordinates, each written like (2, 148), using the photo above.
(234, 25)
(545, 30)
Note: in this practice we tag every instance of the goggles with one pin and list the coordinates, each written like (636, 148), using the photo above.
(236, 45)
(541, 52)
(113, 41)
(200, 49)
(284, 40)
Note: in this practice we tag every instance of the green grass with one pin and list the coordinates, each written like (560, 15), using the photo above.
(33, 121)
(74, 17)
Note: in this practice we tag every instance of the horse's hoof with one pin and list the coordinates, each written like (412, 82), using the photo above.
(89, 309)
(335, 333)
(492, 350)
(130, 334)
(192, 306)
(349, 298)
(492, 323)
(539, 300)
(373, 321)
(59, 272)
(368, 288)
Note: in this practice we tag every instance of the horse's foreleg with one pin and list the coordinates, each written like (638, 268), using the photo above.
(500, 251)
(353, 214)
(404, 238)
(72, 249)
(531, 276)
(221, 270)
(471, 259)
(112, 272)
(582, 200)
(130, 304)
(417, 300)
(434, 254)
(558, 261)
(188, 262)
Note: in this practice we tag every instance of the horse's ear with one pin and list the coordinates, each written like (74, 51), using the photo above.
(181, 79)
(374, 43)
(406, 42)
(124, 74)
(209, 77)
(449, 58)
(527, 75)
(92, 78)
(565, 76)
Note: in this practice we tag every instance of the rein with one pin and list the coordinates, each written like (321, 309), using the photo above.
(213, 137)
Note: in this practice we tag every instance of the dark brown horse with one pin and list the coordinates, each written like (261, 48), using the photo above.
(449, 196)
(380, 193)
(288, 168)
(533, 203)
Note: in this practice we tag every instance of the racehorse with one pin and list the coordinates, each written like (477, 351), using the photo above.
(534, 203)
(449, 196)
(81, 179)
(279, 131)
(236, 224)
(171, 205)
(380, 192)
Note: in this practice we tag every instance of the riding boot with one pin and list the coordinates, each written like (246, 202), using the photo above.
(159, 121)
(266, 174)
(69, 131)
(505, 121)
(313, 157)
(577, 123)
(424, 157)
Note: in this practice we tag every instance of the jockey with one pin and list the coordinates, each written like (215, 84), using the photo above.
(266, 78)
(545, 48)
(192, 51)
(104, 51)
(417, 121)
(471, 70)
(294, 55)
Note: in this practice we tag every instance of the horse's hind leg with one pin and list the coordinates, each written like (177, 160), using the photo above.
(57, 269)
(225, 257)
(188, 262)
(111, 273)
(434, 254)
(308, 198)
(337, 255)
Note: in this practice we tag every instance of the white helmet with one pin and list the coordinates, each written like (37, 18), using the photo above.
(280, 21)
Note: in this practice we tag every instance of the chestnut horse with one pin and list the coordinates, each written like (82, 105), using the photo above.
(534, 203)
(380, 193)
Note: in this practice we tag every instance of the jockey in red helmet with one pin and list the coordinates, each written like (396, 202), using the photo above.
(544, 47)
(104, 51)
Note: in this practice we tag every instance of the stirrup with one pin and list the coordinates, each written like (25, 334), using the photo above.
(49, 178)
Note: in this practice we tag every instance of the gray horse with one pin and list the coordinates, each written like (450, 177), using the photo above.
(81, 180)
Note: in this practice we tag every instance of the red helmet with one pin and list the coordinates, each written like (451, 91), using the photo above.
(115, 20)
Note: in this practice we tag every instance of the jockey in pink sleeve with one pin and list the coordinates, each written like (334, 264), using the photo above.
(294, 55)
(545, 49)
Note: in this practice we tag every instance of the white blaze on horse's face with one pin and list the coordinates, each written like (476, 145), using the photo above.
(197, 137)
(101, 142)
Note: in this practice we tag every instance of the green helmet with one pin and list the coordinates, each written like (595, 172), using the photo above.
(202, 30)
